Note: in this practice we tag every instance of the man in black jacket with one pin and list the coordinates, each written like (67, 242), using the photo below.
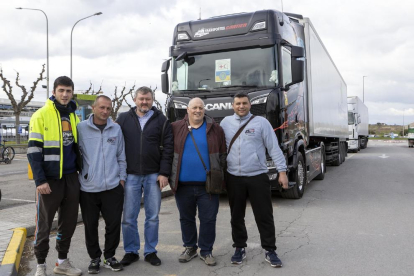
(148, 167)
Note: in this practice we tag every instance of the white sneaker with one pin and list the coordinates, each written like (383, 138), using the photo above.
(41, 270)
(66, 268)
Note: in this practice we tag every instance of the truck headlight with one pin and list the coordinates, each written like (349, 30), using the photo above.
(180, 105)
(259, 26)
(259, 100)
(270, 164)
(182, 36)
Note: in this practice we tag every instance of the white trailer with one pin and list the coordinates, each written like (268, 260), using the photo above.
(357, 124)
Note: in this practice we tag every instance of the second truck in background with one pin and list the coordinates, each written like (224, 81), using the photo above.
(357, 124)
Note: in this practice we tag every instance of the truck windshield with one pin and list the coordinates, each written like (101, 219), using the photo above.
(224, 70)
(351, 118)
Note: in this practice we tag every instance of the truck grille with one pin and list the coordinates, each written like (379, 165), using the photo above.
(258, 109)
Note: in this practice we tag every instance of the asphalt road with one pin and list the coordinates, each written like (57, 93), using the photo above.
(357, 221)
(15, 186)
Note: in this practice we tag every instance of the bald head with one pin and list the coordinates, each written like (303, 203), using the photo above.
(195, 101)
(195, 111)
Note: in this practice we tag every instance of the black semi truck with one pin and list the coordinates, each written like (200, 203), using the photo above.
(279, 60)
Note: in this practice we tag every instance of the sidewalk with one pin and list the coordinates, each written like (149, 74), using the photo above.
(24, 216)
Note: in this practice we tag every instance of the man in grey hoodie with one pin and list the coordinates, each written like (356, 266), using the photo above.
(102, 182)
(247, 177)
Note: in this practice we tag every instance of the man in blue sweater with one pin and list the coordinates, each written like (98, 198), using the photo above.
(188, 179)
(247, 177)
(102, 182)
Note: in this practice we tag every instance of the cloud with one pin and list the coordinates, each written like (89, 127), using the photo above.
(129, 41)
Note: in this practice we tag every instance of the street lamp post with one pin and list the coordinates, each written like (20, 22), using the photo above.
(47, 45)
(71, 34)
(403, 122)
(363, 88)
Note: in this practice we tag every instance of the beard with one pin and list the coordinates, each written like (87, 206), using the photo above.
(140, 109)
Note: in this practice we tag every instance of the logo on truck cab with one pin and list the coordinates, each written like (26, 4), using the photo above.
(218, 106)
(205, 31)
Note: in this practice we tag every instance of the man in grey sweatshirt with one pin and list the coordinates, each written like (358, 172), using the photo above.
(102, 182)
(247, 177)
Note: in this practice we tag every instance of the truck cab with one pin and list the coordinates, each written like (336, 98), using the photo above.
(262, 54)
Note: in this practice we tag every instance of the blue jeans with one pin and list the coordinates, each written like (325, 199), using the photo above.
(134, 186)
(188, 198)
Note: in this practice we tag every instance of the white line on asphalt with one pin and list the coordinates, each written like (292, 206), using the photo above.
(24, 200)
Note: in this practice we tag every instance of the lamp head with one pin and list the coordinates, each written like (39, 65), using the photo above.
(98, 13)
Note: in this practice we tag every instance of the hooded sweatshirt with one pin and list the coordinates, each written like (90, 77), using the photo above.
(103, 153)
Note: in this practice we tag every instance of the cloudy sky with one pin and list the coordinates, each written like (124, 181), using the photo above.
(128, 42)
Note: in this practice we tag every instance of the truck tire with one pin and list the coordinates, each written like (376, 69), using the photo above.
(359, 144)
(338, 159)
(321, 176)
(364, 143)
(343, 152)
(297, 191)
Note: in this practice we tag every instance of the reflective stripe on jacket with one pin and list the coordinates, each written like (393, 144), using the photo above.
(45, 147)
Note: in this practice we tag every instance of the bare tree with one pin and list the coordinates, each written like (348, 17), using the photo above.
(118, 100)
(26, 97)
(93, 91)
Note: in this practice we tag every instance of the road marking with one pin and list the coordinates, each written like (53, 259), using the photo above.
(383, 156)
(14, 172)
(24, 200)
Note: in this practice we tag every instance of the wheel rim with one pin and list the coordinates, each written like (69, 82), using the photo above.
(301, 176)
(6, 154)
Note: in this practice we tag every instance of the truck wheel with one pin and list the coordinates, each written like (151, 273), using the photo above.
(343, 152)
(338, 159)
(296, 191)
(321, 176)
(359, 144)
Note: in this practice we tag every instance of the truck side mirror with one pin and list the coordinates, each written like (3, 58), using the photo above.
(165, 66)
(164, 77)
(164, 83)
(297, 65)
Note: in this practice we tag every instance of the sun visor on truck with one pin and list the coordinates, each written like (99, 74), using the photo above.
(224, 26)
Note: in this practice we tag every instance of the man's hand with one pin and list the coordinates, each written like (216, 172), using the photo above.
(283, 181)
(122, 182)
(163, 181)
(44, 189)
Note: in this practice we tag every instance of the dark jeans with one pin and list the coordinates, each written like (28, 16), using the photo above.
(188, 198)
(257, 189)
(110, 204)
(64, 199)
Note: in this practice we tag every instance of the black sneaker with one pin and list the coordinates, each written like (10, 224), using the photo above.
(113, 264)
(153, 259)
(94, 266)
(239, 256)
(129, 258)
(272, 258)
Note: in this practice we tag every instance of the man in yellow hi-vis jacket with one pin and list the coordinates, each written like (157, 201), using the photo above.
(55, 160)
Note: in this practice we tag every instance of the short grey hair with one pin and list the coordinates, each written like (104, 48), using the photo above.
(144, 90)
(101, 96)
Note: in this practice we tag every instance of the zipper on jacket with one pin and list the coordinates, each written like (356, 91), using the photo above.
(103, 154)
(60, 142)
(240, 123)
